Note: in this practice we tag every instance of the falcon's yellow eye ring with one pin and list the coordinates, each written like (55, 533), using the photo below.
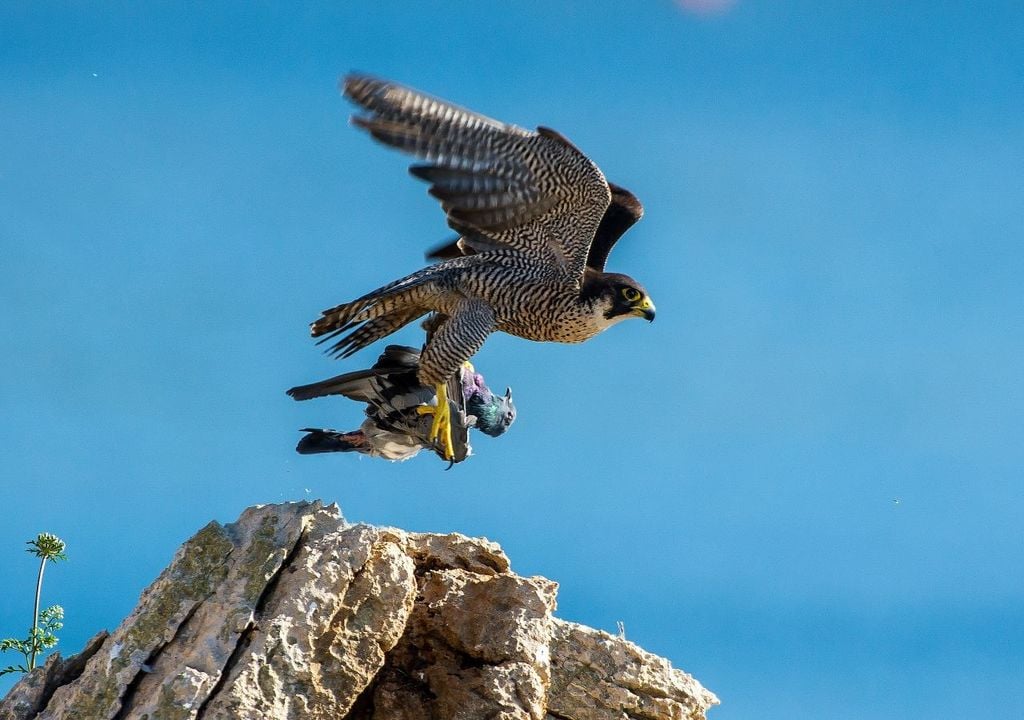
(631, 294)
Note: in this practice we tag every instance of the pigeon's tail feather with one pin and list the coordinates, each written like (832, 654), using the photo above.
(327, 441)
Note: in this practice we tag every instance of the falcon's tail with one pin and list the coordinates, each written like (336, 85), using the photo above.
(326, 441)
(373, 330)
(377, 314)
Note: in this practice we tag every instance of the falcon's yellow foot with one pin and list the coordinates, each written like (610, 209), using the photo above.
(441, 428)
(469, 366)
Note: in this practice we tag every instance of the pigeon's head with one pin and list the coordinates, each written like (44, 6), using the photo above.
(493, 416)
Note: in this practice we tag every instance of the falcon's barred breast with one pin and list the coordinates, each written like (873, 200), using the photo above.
(537, 220)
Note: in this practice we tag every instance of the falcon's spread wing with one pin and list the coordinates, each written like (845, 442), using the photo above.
(500, 185)
(623, 212)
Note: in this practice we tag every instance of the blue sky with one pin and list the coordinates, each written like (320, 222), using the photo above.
(835, 210)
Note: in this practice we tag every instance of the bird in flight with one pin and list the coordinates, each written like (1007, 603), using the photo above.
(536, 219)
(396, 426)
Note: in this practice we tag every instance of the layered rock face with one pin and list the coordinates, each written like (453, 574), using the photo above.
(292, 613)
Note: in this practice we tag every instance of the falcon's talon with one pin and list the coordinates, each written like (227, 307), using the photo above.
(441, 428)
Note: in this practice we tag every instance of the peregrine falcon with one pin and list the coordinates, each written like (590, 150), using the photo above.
(537, 220)
(396, 425)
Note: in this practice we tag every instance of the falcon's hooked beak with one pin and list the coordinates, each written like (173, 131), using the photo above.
(645, 309)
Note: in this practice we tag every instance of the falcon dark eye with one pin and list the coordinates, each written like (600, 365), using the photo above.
(631, 294)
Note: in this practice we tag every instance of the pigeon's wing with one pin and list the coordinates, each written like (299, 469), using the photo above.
(364, 385)
(355, 385)
(400, 417)
(460, 422)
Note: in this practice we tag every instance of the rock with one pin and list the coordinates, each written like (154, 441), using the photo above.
(292, 613)
(33, 692)
(598, 676)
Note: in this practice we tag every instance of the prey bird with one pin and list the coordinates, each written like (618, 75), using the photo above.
(536, 219)
(397, 426)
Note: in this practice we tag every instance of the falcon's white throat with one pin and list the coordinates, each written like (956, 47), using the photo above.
(599, 319)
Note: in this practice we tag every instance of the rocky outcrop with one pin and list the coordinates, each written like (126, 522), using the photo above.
(290, 612)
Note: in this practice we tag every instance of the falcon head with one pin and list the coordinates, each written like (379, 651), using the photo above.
(619, 297)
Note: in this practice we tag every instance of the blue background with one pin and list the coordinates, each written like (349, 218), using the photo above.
(802, 483)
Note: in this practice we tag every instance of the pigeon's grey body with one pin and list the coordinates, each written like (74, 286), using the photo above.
(394, 427)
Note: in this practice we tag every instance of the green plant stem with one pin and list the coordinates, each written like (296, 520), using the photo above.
(35, 612)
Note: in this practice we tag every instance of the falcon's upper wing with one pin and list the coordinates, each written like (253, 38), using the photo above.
(623, 212)
(533, 192)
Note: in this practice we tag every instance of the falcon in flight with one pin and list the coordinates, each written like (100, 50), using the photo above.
(536, 219)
